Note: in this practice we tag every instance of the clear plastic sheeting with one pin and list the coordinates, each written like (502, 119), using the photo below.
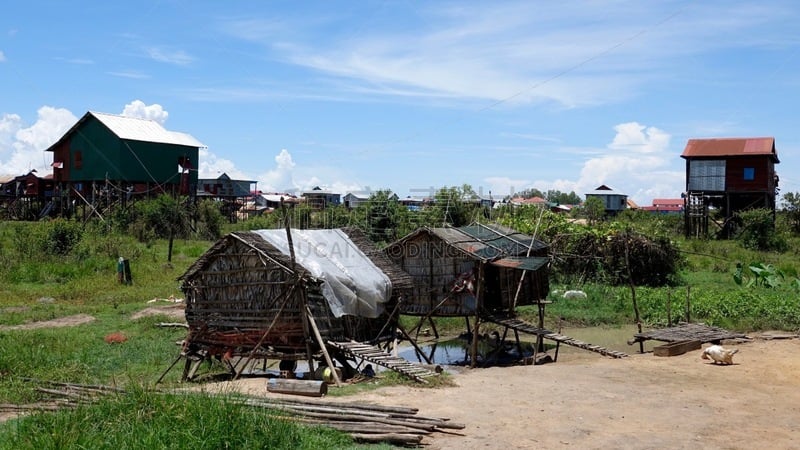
(352, 284)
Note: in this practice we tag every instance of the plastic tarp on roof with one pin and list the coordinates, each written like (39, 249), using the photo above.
(352, 284)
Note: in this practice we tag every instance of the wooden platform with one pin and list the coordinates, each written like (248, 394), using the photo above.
(529, 328)
(380, 357)
(688, 332)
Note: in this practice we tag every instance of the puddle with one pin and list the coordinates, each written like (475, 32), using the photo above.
(456, 351)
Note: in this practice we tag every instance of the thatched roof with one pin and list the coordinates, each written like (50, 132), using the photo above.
(251, 240)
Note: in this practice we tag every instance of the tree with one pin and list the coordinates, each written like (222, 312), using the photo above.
(792, 208)
(593, 209)
(454, 206)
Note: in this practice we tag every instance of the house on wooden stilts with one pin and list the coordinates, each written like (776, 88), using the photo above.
(281, 295)
(728, 175)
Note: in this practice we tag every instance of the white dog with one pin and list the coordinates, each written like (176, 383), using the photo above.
(719, 354)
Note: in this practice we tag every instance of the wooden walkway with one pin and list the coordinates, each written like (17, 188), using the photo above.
(525, 327)
(688, 332)
(380, 357)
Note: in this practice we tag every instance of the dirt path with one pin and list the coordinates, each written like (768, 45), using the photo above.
(586, 401)
(68, 321)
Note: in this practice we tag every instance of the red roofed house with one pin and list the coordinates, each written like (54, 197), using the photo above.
(665, 206)
(730, 175)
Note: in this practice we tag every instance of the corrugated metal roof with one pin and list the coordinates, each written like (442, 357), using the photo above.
(145, 130)
(730, 147)
(531, 263)
(488, 242)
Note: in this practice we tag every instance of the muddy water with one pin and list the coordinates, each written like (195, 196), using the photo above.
(451, 351)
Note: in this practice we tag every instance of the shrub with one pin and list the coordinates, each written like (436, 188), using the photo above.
(758, 231)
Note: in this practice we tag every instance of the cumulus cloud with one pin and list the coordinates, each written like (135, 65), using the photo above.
(22, 148)
(212, 166)
(137, 108)
(637, 138)
(637, 156)
(637, 162)
(280, 178)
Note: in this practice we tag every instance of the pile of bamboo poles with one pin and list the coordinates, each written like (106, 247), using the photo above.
(364, 422)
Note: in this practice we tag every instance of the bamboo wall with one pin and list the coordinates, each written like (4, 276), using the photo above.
(235, 296)
(435, 266)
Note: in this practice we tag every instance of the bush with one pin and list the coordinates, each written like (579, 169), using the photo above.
(758, 231)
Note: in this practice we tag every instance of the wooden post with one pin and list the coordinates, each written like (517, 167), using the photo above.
(633, 291)
(669, 308)
(322, 346)
(476, 330)
(688, 307)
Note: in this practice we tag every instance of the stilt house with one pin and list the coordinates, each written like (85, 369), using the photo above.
(106, 158)
(728, 175)
(247, 295)
(472, 269)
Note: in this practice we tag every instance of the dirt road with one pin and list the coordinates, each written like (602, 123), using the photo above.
(586, 401)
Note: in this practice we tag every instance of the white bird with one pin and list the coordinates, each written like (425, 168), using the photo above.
(719, 354)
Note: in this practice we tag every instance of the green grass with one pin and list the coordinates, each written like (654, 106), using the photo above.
(143, 419)
(35, 287)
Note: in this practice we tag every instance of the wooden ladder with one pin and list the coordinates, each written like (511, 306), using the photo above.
(382, 358)
(525, 327)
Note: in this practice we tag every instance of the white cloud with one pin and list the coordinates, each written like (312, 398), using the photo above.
(25, 146)
(637, 138)
(2, 56)
(177, 57)
(212, 166)
(500, 187)
(132, 74)
(637, 162)
(9, 125)
(279, 179)
(137, 108)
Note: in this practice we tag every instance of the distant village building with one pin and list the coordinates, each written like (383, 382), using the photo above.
(352, 200)
(233, 194)
(319, 198)
(665, 206)
(728, 175)
(613, 201)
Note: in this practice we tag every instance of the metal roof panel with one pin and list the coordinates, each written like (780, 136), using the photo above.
(145, 130)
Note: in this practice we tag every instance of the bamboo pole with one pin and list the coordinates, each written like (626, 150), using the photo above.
(323, 346)
(478, 288)
(633, 290)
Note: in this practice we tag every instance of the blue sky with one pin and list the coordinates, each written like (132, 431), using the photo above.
(412, 96)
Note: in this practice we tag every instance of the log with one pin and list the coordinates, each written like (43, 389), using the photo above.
(310, 388)
(676, 348)
(172, 325)
(392, 438)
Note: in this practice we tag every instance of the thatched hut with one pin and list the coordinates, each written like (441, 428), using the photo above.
(471, 269)
(248, 294)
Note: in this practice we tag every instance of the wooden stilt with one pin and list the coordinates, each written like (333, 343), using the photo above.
(322, 346)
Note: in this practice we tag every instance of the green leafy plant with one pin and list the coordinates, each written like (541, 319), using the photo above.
(758, 274)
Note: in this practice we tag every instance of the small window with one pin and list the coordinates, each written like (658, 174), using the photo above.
(749, 173)
(78, 159)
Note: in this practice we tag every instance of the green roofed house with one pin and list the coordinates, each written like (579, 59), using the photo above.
(106, 158)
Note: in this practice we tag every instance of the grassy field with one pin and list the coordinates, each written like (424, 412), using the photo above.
(39, 282)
